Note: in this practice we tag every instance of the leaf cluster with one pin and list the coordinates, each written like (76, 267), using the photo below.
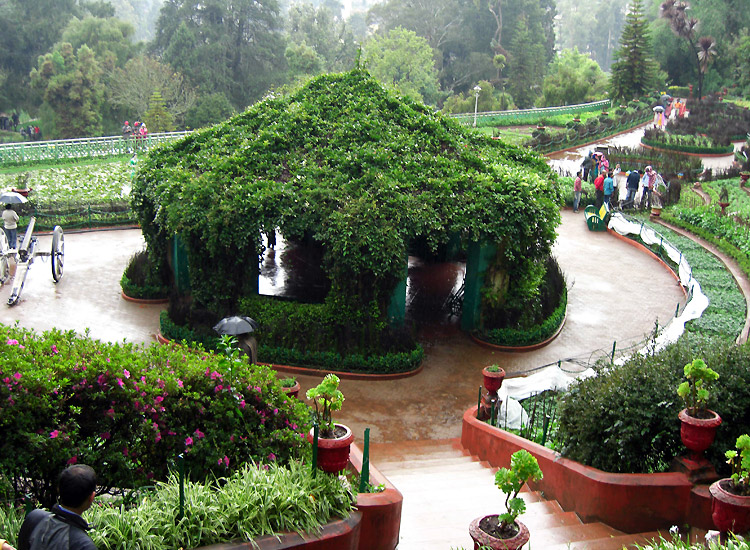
(523, 468)
(739, 461)
(326, 398)
(694, 391)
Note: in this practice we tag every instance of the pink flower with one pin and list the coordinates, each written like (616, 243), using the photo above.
(199, 434)
(17, 376)
(124, 451)
(271, 456)
(188, 441)
(179, 383)
(110, 412)
(242, 404)
(54, 349)
(6, 380)
(126, 373)
(120, 383)
(231, 438)
(105, 435)
(12, 342)
(54, 433)
(108, 360)
(73, 460)
(226, 461)
(158, 437)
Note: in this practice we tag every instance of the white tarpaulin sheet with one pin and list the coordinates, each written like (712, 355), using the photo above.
(554, 378)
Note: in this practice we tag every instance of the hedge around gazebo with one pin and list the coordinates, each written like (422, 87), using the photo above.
(361, 172)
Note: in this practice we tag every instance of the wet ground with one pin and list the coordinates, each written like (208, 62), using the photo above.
(615, 292)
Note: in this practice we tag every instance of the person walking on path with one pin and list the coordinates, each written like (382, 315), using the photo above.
(10, 225)
(648, 181)
(632, 182)
(63, 527)
(609, 188)
(599, 187)
(577, 192)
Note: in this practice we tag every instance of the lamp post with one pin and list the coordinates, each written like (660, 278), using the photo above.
(477, 89)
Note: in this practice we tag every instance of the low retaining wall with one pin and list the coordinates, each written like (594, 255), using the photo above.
(633, 503)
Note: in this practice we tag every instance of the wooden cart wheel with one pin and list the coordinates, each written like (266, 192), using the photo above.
(57, 253)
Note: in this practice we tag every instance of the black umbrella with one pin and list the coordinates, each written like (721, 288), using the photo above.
(236, 325)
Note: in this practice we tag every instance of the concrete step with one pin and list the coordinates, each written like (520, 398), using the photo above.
(613, 542)
(549, 537)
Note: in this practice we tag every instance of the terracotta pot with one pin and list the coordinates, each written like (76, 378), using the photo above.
(697, 434)
(493, 380)
(744, 176)
(292, 391)
(481, 538)
(333, 454)
(730, 512)
(656, 212)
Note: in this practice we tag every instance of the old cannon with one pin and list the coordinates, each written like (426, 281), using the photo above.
(24, 256)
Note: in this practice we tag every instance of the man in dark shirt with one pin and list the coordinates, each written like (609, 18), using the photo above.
(63, 528)
(633, 181)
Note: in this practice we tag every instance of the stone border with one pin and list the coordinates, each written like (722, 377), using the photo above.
(144, 301)
(633, 503)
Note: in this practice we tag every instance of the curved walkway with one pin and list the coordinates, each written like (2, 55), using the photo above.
(615, 293)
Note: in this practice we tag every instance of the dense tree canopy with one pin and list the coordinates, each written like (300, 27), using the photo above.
(348, 164)
(573, 78)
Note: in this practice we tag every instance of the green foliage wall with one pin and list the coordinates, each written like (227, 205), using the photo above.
(354, 167)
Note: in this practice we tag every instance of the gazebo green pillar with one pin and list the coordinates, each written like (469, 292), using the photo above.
(397, 306)
(478, 259)
(180, 267)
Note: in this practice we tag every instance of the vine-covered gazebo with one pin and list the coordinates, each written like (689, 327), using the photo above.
(363, 174)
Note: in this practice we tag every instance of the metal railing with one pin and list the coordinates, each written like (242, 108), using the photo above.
(94, 147)
(537, 112)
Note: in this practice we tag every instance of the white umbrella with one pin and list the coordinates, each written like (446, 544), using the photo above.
(11, 197)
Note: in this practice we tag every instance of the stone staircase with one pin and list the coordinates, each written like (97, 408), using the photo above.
(444, 488)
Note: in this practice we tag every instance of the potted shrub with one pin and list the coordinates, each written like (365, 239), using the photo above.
(334, 440)
(290, 386)
(744, 176)
(493, 377)
(730, 502)
(723, 200)
(504, 531)
(699, 423)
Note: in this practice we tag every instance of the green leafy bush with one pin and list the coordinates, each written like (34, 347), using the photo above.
(655, 137)
(625, 418)
(141, 280)
(132, 410)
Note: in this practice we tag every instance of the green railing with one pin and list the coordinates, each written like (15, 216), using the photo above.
(78, 216)
(82, 148)
(519, 115)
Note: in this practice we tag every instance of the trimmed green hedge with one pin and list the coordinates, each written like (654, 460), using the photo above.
(534, 335)
(684, 148)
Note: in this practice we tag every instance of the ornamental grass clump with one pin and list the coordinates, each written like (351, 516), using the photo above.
(694, 391)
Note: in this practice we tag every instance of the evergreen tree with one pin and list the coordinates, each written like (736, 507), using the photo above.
(157, 118)
(525, 69)
(634, 70)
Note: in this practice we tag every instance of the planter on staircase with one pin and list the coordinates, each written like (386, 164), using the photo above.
(730, 512)
(478, 532)
(698, 434)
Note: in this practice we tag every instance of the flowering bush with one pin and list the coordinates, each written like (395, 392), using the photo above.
(131, 410)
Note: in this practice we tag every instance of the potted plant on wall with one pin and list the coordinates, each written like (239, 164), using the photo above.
(290, 386)
(334, 439)
(493, 377)
(730, 502)
(699, 423)
(504, 531)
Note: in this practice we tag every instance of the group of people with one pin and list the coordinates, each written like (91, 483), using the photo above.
(31, 132)
(137, 130)
(595, 167)
(9, 123)
(62, 528)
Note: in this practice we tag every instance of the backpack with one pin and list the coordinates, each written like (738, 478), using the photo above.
(50, 534)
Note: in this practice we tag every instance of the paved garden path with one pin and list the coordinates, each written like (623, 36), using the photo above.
(616, 292)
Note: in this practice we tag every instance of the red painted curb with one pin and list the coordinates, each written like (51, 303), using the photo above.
(145, 301)
(633, 503)
(522, 349)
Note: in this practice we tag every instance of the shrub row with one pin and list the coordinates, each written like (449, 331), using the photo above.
(131, 410)
(389, 363)
(625, 418)
(534, 335)
(687, 148)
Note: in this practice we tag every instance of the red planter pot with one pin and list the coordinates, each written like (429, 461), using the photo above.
(697, 434)
(493, 380)
(292, 391)
(482, 539)
(333, 454)
(730, 512)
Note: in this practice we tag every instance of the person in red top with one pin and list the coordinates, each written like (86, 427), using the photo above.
(599, 187)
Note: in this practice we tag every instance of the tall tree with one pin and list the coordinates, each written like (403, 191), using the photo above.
(685, 26)
(634, 70)
(403, 60)
(231, 46)
(572, 78)
(72, 87)
(525, 70)
(327, 35)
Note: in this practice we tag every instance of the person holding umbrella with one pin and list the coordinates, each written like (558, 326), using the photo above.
(241, 326)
